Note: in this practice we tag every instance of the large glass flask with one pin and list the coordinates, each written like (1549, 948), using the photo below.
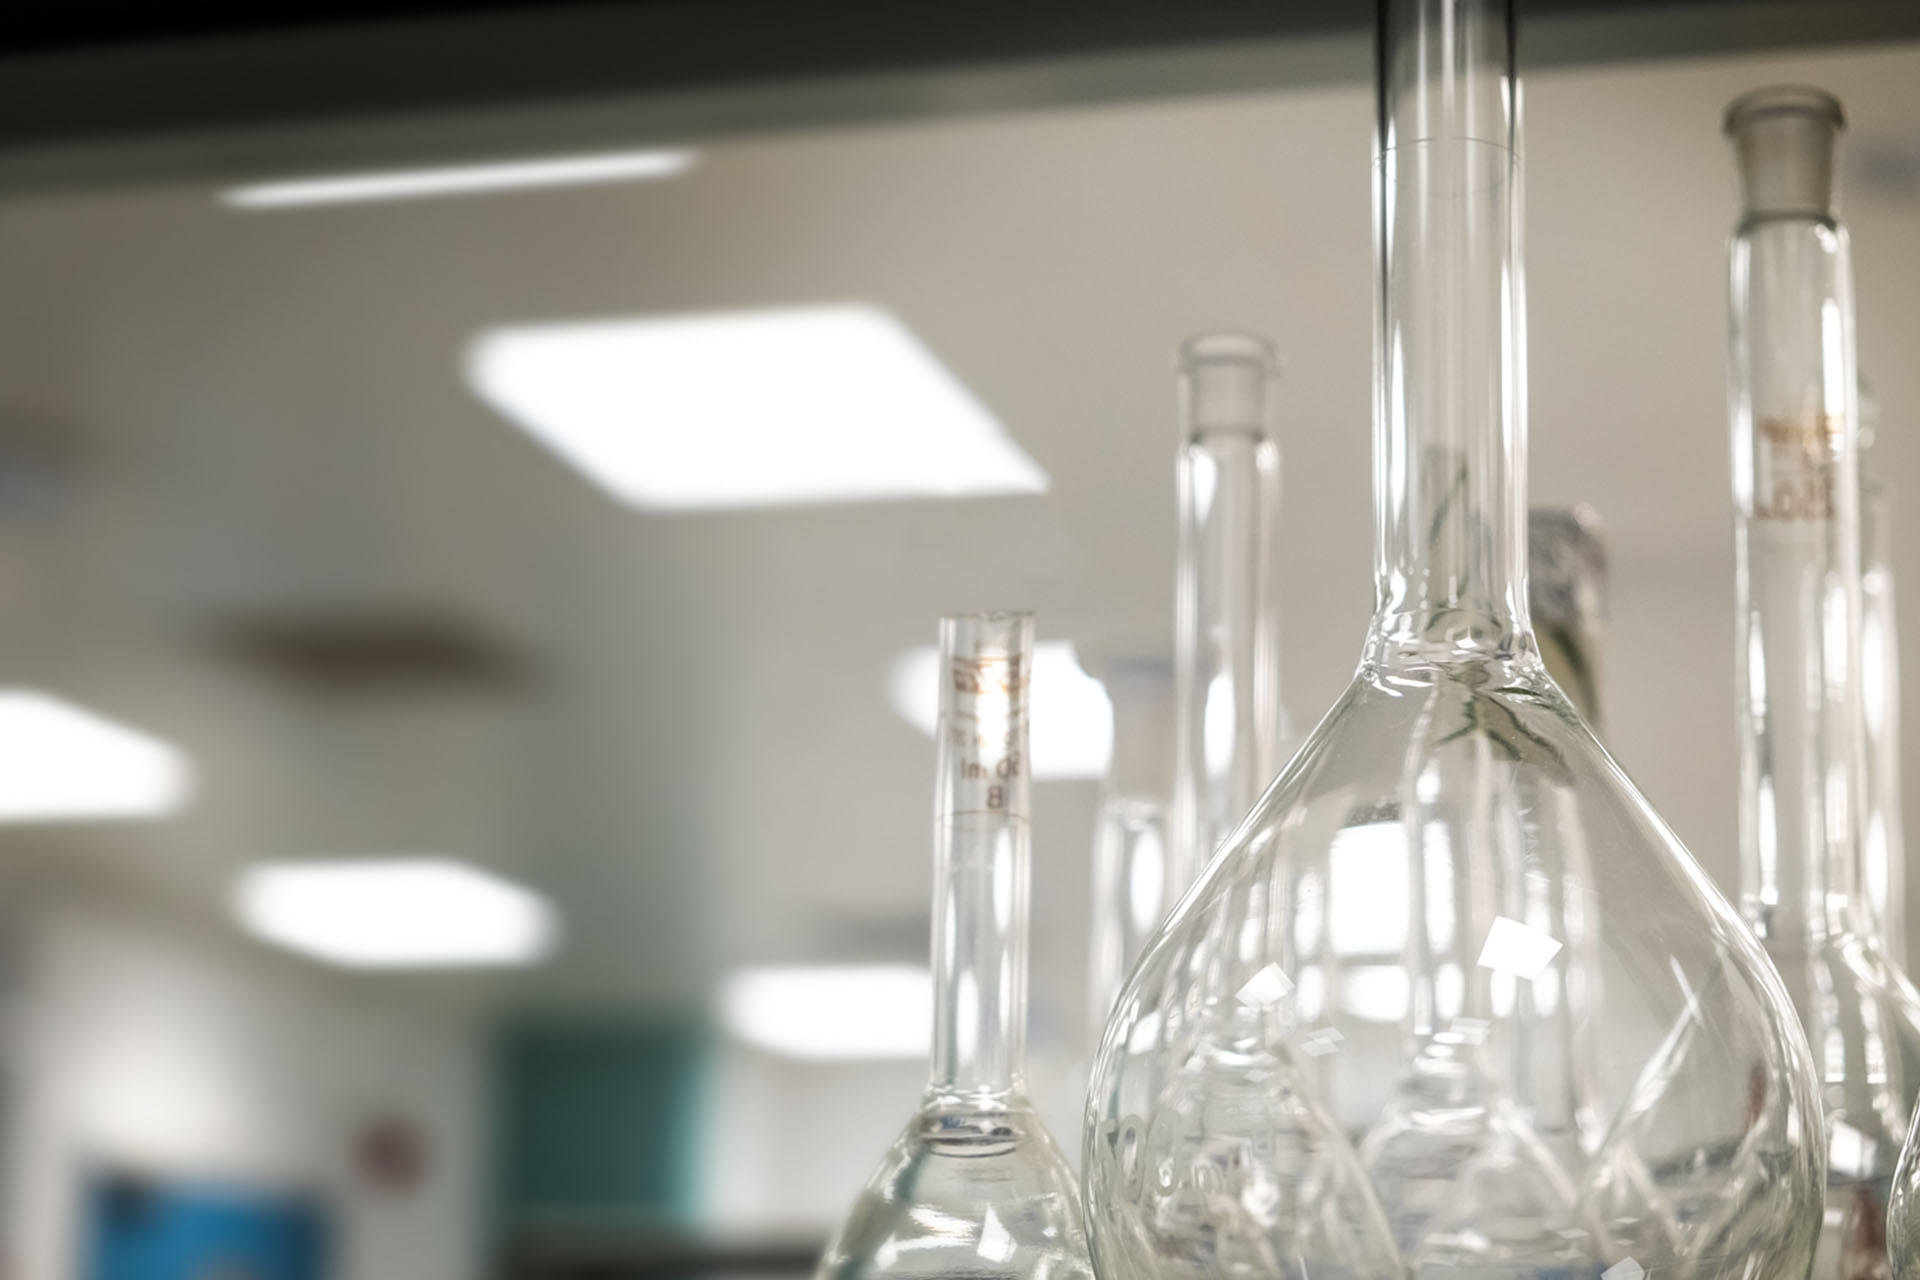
(1226, 593)
(1450, 868)
(1903, 1214)
(974, 1186)
(1797, 653)
(1883, 880)
(1567, 600)
(1133, 827)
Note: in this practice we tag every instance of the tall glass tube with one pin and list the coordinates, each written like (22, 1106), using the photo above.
(1449, 865)
(1226, 594)
(975, 1185)
(1797, 550)
(1883, 880)
(1133, 826)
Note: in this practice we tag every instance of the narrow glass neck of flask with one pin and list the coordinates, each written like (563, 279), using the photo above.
(1449, 357)
(1793, 401)
(1227, 663)
(1882, 874)
(981, 856)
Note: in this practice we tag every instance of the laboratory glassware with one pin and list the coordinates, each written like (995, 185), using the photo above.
(1226, 592)
(1133, 826)
(974, 1186)
(1883, 879)
(1903, 1211)
(1454, 818)
(1567, 599)
(1793, 403)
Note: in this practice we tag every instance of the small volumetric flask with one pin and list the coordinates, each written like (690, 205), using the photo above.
(1226, 592)
(1803, 777)
(974, 1186)
(1133, 826)
(1225, 724)
(1451, 872)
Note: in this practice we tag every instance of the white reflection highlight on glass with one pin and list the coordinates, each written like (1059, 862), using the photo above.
(782, 406)
(1375, 993)
(1218, 725)
(831, 1012)
(1767, 840)
(1873, 669)
(1148, 878)
(1369, 922)
(1833, 359)
(1517, 949)
(1145, 1034)
(460, 180)
(996, 1242)
(394, 913)
(1071, 718)
(1267, 987)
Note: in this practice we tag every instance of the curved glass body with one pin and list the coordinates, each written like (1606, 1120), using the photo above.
(1401, 942)
(974, 1186)
(1903, 1212)
(1801, 730)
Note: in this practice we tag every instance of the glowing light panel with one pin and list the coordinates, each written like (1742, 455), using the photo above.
(750, 408)
(459, 180)
(831, 1012)
(395, 913)
(62, 763)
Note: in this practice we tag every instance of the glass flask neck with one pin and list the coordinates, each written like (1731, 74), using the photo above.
(1882, 877)
(1793, 397)
(981, 856)
(1132, 827)
(1141, 691)
(1227, 663)
(1449, 387)
(1783, 138)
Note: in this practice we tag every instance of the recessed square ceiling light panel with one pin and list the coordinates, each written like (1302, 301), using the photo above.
(831, 1012)
(63, 763)
(750, 409)
(394, 913)
(1071, 719)
(459, 180)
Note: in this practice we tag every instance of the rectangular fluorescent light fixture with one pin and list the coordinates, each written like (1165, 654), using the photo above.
(813, 404)
(394, 913)
(460, 180)
(63, 763)
(831, 1013)
(1071, 718)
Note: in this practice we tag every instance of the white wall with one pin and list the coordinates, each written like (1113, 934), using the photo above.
(138, 1046)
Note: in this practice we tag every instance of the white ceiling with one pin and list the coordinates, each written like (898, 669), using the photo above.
(708, 772)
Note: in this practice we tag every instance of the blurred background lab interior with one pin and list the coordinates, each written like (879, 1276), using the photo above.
(478, 482)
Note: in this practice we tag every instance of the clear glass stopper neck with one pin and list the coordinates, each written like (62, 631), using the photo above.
(1226, 383)
(1785, 137)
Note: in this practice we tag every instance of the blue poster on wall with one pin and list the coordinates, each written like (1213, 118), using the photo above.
(141, 1228)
